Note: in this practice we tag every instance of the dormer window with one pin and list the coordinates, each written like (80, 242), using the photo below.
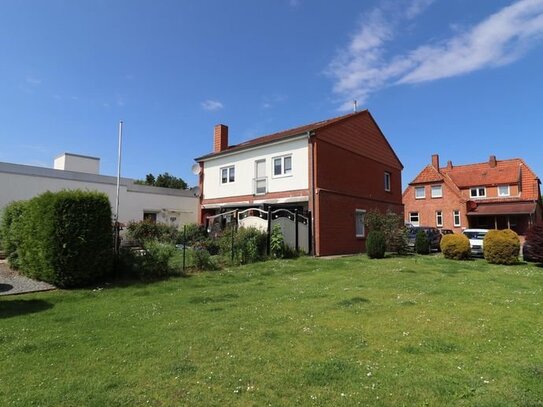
(478, 192)
(503, 190)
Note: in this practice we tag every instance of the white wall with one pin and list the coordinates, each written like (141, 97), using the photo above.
(79, 163)
(244, 162)
(132, 201)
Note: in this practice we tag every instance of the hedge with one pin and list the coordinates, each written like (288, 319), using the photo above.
(534, 240)
(422, 243)
(66, 238)
(10, 231)
(455, 247)
(501, 247)
(376, 244)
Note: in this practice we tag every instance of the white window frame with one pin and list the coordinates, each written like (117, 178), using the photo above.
(477, 192)
(417, 223)
(357, 214)
(434, 187)
(456, 214)
(228, 170)
(508, 190)
(283, 173)
(387, 181)
(423, 192)
(439, 219)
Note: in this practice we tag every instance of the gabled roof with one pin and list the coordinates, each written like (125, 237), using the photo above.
(481, 174)
(428, 174)
(282, 135)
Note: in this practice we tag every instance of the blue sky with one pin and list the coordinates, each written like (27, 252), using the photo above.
(461, 78)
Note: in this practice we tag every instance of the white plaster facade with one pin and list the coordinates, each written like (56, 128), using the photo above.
(244, 163)
(175, 207)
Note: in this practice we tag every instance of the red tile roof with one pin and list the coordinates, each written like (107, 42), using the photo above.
(428, 174)
(285, 134)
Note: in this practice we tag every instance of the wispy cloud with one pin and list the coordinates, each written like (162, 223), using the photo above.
(211, 105)
(365, 66)
(269, 102)
(32, 80)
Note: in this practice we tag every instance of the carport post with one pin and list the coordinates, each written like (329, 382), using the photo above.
(296, 230)
(269, 230)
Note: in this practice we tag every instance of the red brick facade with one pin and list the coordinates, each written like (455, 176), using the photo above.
(495, 194)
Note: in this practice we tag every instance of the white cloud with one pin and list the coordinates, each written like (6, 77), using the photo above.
(364, 66)
(211, 105)
(32, 80)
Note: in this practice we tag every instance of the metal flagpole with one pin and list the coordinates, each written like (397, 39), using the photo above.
(118, 187)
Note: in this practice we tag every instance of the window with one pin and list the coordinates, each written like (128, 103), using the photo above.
(478, 192)
(228, 175)
(437, 191)
(387, 181)
(282, 166)
(149, 217)
(419, 193)
(503, 190)
(439, 219)
(414, 218)
(359, 215)
(456, 218)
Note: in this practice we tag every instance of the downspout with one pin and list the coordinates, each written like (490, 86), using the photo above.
(310, 134)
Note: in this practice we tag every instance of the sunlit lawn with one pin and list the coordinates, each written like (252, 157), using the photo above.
(408, 331)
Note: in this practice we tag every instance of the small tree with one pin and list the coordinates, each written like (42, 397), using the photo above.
(277, 242)
(422, 243)
(376, 244)
(165, 180)
(391, 224)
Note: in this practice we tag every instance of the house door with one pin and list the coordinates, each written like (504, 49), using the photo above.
(260, 182)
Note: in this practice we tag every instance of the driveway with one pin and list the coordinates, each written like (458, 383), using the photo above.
(12, 282)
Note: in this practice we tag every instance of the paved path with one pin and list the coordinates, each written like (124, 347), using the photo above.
(14, 283)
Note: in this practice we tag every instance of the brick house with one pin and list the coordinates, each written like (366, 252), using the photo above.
(332, 171)
(496, 194)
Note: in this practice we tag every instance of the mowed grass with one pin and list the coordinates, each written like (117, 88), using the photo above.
(411, 331)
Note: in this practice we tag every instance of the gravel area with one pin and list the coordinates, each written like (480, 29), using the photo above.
(12, 282)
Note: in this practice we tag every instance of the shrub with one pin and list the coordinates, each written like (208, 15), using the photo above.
(143, 231)
(422, 243)
(534, 242)
(160, 260)
(66, 238)
(501, 247)
(277, 242)
(455, 247)
(376, 244)
(191, 234)
(202, 260)
(391, 224)
(10, 231)
(250, 245)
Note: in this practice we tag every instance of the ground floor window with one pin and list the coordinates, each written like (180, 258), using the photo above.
(414, 218)
(439, 219)
(456, 218)
(149, 217)
(359, 216)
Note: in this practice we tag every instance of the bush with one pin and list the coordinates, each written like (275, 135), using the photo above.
(191, 234)
(455, 247)
(250, 245)
(10, 231)
(277, 242)
(422, 243)
(376, 244)
(202, 259)
(534, 242)
(143, 231)
(160, 260)
(391, 224)
(501, 247)
(66, 238)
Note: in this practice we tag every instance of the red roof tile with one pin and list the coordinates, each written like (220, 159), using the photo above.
(428, 174)
(481, 174)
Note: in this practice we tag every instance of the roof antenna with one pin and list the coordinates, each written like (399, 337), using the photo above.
(355, 105)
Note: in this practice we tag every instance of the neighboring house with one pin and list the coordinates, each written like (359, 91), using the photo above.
(332, 171)
(73, 171)
(497, 194)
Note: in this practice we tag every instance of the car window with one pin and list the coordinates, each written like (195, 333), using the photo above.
(475, 235)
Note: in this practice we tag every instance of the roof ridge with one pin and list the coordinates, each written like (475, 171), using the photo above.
(481, 163)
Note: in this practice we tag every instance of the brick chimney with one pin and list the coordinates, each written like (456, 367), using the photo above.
(449, 165)
(492, 161)
(435, 161)
(220, 138)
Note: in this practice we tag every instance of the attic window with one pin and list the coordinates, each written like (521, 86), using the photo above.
(503, 190)
(419, 193)
(437, 191)
(478, 192)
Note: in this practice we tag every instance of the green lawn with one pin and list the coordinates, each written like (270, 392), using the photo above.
(412, 331)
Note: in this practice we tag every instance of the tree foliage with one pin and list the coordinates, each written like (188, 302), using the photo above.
(165, 180)
(391, 224)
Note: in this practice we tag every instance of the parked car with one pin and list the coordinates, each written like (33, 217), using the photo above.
(446, 232)
(434, 236)
(476, 237)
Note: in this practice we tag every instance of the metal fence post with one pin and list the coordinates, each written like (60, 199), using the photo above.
(296, 243)
(232, 245)
(269, 231)
(184, 245)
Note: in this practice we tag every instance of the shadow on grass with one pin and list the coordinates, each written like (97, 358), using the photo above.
(16, 308)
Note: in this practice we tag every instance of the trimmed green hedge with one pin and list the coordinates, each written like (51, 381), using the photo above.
(66, 238)
(376, 244)
(501, 247)
(10, 231)
(456, 247)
